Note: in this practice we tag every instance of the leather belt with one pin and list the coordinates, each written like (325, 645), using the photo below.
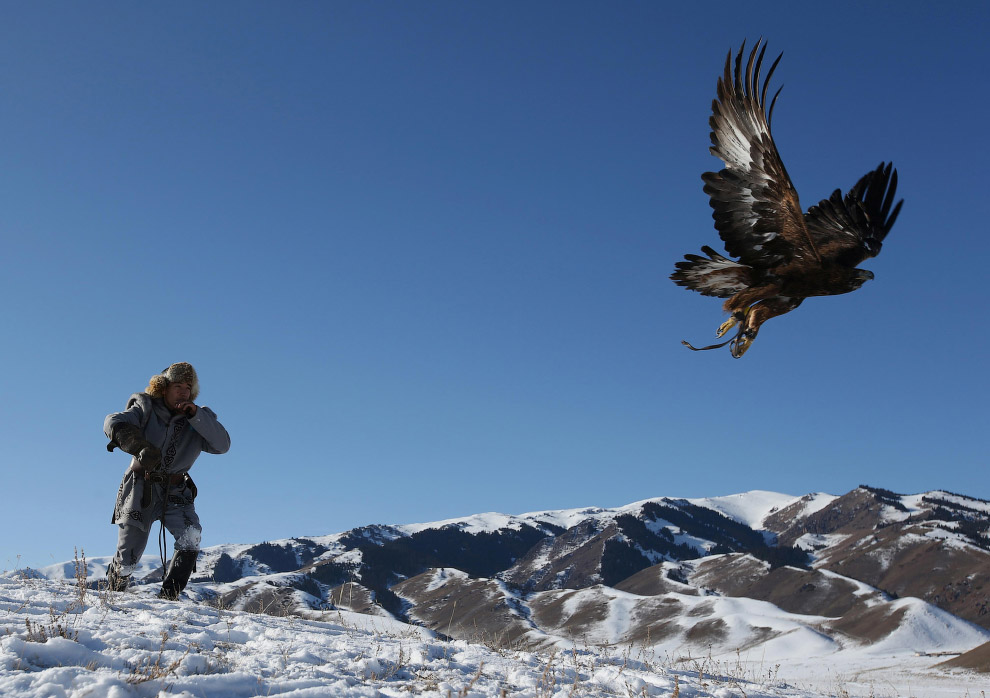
(174, 479)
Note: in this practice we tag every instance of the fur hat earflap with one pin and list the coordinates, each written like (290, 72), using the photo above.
(176, 373)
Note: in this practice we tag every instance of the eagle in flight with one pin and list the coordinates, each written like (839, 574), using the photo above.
(784, 256)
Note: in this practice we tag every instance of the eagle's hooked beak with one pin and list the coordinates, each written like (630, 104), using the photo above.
(858, 278)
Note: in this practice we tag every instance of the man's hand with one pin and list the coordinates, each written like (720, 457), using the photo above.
(187, 408)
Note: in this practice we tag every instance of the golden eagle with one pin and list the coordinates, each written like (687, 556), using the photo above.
(784, 256)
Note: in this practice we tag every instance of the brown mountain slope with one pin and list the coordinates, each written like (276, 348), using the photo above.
(808, 592)
(869, 535)
(456, 605)
(977, 659)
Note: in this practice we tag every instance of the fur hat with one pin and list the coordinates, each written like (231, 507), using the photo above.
(179, 372)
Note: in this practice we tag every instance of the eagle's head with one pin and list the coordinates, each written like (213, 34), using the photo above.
(859, 277)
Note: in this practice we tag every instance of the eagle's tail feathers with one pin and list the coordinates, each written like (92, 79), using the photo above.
(714, 275)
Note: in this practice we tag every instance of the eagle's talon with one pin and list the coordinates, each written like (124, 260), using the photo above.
(741, 343)
(726, 326)
(734, 319)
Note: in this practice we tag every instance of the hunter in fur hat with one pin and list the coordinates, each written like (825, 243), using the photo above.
(165, 431)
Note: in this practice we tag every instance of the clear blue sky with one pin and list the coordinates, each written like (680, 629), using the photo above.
(418, 253)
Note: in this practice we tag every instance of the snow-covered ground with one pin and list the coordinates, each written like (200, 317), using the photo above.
(57, 641)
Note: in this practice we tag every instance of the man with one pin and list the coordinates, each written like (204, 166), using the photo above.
(165, 431)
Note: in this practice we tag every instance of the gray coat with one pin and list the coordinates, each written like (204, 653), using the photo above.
(180, 439)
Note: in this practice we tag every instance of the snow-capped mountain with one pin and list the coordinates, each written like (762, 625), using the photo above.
(868, 569)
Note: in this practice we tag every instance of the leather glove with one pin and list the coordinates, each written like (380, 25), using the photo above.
(147, 460)
(131, 440)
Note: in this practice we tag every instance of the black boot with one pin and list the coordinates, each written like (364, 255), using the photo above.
(182, 565)
(115, 580)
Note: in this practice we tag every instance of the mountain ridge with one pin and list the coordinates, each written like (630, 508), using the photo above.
(738, 571)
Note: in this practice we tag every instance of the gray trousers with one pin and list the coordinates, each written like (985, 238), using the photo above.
(180, 520)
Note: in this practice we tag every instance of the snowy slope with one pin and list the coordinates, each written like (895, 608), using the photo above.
(750, 508)
(135, 645)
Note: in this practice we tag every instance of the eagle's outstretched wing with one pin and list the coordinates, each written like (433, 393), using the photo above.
(851, 229)
(756, 209)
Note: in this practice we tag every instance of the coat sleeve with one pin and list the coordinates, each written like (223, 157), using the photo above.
(137, 412)
(215, 437)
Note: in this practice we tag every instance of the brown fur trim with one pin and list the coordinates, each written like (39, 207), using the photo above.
(177, 372)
